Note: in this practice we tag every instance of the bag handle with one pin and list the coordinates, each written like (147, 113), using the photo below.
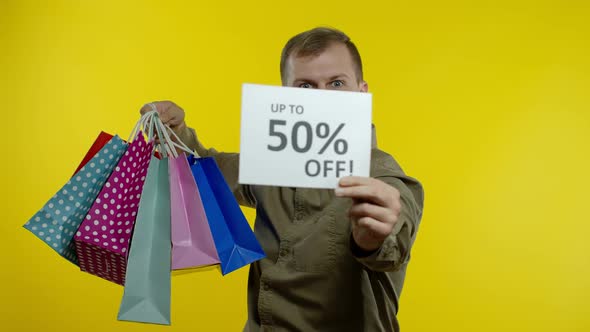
(149, 122)
(166, 130)
(167, 144)
(145, 123)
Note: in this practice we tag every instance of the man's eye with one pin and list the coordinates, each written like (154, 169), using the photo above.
(305, 85)
(337, 83)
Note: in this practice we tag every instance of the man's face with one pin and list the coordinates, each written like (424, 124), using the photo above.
(332, 69)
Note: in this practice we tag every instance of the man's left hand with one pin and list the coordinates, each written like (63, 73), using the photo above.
(375, 209)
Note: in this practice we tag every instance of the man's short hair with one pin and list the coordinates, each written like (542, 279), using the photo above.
(313, 42)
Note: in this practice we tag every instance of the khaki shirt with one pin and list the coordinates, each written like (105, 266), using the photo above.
(314, 277)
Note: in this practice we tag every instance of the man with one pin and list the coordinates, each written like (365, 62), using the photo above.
(336, 259)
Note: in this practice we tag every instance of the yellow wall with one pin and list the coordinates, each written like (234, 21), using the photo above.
(486, 102)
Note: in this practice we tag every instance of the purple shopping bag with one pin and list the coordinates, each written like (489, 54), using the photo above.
(102, 240)
(192, 242)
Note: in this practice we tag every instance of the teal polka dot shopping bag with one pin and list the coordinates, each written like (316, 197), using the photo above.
(58, 220)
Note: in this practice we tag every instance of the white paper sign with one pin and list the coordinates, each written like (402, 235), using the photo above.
(295, 137)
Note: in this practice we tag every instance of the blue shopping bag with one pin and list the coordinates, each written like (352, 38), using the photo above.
(58, 220)
(147, 280)
(234, 240)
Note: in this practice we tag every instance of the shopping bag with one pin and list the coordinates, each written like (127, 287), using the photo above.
(147, 281)
(102, 139)
(234, 240)
(102, 240)
(58, 220)
(192, 242)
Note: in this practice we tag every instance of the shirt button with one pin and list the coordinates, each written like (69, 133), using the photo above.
(265, 286)
(283, 253)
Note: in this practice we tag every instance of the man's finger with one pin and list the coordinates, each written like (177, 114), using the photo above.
(378, 229)
(373, 194)
(376, 212)
(144, 109)
(165, 117)
(349, 181)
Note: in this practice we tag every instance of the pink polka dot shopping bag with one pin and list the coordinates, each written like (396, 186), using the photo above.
(102, 240)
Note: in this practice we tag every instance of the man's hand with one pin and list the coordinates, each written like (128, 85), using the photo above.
(170, 114)
(375, 209)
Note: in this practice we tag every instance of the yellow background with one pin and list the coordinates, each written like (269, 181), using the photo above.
(486, 102)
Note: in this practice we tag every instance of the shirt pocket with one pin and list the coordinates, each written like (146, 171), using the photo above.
(323, 243)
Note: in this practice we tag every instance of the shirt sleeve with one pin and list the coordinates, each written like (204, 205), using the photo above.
(395, 250)
(228, 164)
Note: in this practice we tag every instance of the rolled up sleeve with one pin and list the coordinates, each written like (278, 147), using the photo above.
(395, 250)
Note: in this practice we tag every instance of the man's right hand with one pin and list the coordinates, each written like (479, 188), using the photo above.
(170, 114)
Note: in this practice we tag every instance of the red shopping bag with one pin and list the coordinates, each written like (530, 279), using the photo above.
(102, 139)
